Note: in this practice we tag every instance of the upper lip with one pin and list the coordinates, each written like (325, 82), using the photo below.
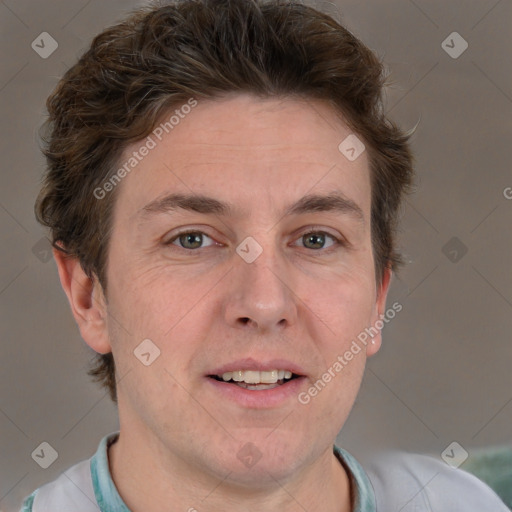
(252, 364)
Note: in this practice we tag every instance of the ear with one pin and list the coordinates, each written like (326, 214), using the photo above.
(87, 301)
(378, 314)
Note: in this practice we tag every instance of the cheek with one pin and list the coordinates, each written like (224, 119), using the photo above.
(153, 299)
(344, 304)
(163, 305)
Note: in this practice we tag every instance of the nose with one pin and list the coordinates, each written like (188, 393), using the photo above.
(260, 294)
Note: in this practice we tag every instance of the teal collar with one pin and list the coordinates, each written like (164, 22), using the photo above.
(361, 487)
(104, 488)
(109, 500)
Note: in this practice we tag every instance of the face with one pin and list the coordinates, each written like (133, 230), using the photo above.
(274, 271)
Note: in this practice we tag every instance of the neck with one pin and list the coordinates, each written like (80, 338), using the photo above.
(148, 480)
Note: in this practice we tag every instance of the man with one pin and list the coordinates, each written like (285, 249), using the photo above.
(222, 193)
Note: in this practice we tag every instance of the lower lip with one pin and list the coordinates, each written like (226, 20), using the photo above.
(259, 399)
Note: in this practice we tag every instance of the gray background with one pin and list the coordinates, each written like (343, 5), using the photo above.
(444, 371)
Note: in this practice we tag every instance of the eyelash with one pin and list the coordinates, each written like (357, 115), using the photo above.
(338, 242)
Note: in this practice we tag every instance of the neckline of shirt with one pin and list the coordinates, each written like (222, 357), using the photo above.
(109, 500)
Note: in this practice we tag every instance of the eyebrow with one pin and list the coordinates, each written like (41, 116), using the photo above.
(334, 201)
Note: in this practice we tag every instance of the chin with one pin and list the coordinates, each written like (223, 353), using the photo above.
(262, 457)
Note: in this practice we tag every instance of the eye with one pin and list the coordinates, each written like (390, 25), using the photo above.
(316, 240)
(189, 240)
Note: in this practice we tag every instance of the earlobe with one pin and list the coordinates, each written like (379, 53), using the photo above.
(87, 301)
(379, 312)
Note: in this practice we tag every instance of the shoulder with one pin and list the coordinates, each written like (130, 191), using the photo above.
(414, 483)
(72, 490)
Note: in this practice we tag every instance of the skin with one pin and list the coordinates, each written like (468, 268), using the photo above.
(179, 436)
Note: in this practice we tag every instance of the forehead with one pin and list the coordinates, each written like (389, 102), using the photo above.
(248, 152)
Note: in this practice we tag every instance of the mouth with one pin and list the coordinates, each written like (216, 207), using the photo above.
(256, 380)
(254, 383)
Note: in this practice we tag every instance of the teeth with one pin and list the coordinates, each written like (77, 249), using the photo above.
(257, 387)
(257, 377)
(238, 376)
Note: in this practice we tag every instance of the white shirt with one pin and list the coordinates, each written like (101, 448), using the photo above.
(396, 482)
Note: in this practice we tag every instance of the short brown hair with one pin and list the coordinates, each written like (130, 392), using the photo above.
(161, 56)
